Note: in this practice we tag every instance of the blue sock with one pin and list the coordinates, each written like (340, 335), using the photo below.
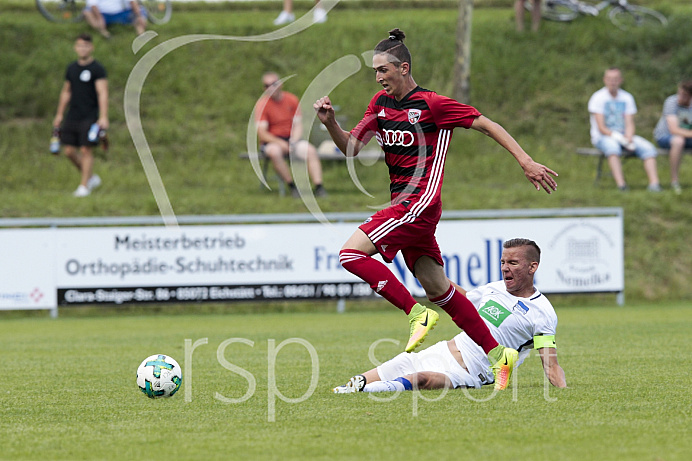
(407, 384)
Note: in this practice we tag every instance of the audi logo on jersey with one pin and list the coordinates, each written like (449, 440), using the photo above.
(394, 138)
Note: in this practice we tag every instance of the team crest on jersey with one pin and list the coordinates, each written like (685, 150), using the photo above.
(520, 308)
(413, 115)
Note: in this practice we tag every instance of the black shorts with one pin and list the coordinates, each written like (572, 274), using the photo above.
(76, 133)
(265, 144)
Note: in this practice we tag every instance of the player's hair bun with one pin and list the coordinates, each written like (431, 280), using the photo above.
(397, 34)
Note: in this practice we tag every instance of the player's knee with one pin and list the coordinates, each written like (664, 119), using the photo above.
(273, 154)
(677, 141)
(609, 146)
(423, 380)
(273, 151)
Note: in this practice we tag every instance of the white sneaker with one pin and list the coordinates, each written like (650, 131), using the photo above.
(319, 16)
(93, 182)
(355, 384)
(284, 18)
(82, 191)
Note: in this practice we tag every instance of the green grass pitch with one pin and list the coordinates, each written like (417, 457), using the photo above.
(69, 392)
(68, 388)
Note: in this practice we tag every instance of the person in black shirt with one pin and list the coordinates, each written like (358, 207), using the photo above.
(85, 93)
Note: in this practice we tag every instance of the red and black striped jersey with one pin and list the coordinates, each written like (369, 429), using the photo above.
(414, 133)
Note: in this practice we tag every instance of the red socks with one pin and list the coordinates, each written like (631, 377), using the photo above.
(465, 315)
(385, 283)
(380, 279)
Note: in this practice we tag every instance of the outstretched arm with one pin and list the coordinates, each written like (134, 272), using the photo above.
(552, 369)
(539, 175)
(346, 143)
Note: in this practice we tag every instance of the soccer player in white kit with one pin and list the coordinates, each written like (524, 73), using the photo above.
(517, 315)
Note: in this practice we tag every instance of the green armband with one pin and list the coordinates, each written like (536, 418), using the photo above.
(544, 341)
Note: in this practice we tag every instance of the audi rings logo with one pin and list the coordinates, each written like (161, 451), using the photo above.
(395, 138)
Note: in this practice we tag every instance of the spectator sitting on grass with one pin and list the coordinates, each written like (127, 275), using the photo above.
(102, 13)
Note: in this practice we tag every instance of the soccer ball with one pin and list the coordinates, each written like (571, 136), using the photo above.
(159, 376)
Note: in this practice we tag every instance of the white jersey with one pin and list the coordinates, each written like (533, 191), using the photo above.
(512, 321)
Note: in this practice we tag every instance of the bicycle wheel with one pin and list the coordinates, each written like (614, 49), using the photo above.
(556, 10)
(158, 11)
(629, 16)
(61, 10)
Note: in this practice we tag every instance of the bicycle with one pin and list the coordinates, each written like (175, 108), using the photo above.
(71, 11)
(622, 14)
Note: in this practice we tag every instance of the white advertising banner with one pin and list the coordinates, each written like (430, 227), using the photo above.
(27, 269)
(44, 267)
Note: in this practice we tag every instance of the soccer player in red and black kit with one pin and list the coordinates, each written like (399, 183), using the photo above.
(414, 127)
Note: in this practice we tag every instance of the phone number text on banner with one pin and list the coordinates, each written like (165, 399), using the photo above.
(213, 293)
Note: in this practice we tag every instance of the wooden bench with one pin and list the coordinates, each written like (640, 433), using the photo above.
(601, 157)
(326, 151)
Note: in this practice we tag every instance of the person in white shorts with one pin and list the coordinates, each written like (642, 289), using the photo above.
(102, 13)
(612, 112)
(517, 314)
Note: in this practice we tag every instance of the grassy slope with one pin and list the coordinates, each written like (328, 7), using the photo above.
(196, 103)
(69, 391)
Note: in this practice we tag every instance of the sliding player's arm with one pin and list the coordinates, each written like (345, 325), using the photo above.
(553, 371)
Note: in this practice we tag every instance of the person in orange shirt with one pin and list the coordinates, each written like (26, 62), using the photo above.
(279, 128)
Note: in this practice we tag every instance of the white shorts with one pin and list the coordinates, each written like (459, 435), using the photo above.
(436, 358)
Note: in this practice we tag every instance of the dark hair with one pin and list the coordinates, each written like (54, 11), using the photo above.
(533, 252)
(687, 86)
(394, 45)
(86, 37)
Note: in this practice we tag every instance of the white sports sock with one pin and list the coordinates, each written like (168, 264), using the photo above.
(384, 386)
